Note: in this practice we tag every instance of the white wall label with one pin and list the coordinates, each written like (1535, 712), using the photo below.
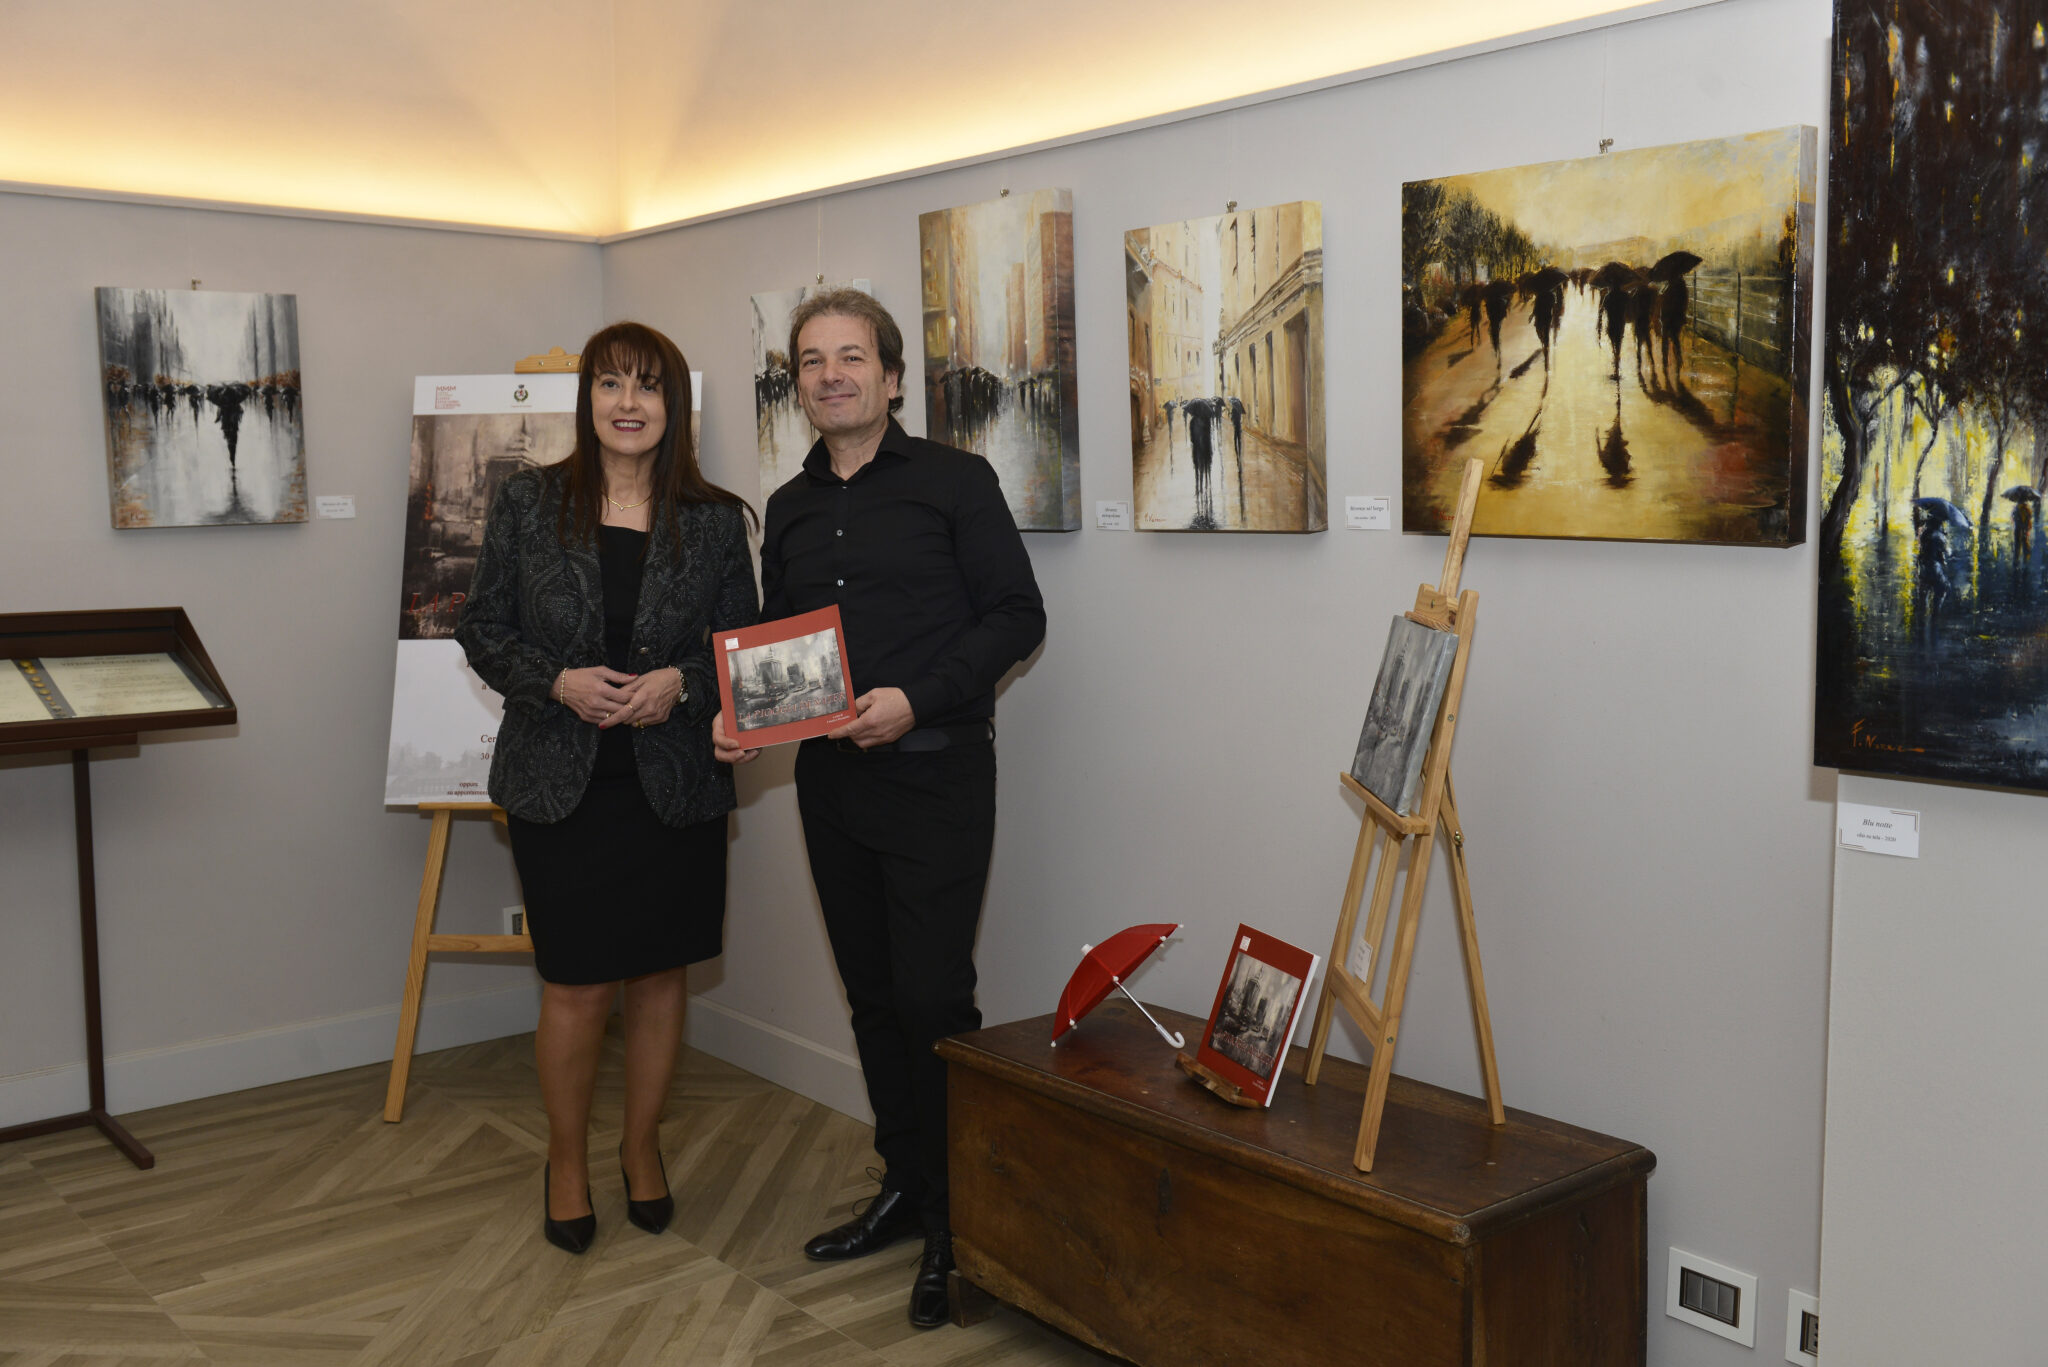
(336, 505)
(1880, 830)
(1112, 517)
(1364, 514)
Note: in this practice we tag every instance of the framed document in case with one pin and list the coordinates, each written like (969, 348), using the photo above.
(81, 681)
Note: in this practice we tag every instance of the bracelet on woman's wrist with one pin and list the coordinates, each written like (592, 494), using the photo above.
(562, 683)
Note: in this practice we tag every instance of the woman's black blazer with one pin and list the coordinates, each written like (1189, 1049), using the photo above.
(536, 607)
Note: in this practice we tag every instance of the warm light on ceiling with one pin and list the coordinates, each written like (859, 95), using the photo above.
(501, 112)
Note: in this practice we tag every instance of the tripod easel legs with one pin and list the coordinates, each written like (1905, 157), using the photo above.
(416, 966)
(1468, 936)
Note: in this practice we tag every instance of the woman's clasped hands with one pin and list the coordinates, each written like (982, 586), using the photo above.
(607, 697)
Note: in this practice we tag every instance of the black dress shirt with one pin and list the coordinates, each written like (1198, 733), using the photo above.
(920, 552)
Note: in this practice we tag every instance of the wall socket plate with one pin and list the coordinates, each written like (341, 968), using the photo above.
(515, 920)
(1798, 1305)
(1743, 1331)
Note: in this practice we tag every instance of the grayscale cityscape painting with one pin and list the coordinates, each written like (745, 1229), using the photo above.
(999, 375)
(788, 681)
(201, 390)
(1402, 715)
(1225, 319)
(1251, 1024)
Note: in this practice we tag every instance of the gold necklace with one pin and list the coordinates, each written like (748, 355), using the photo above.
(626, 507)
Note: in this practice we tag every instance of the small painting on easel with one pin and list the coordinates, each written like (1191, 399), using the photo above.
(1258, 1005)
(1403, 712)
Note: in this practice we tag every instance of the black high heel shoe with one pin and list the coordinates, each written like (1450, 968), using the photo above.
(571, 1236)
(652, 1216)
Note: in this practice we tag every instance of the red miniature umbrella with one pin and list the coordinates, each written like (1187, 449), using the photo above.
(1105, 966)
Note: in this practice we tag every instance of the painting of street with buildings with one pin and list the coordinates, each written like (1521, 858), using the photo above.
(458, 461)
(201, 392)
(1933, 608)
(1225, 321)
(999, 374)
(782, 434)
(1622, 339)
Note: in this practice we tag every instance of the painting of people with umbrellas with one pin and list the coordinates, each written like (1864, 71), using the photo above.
(1933, 614)
(1622, 338)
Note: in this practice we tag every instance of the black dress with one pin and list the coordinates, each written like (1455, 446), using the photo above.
(611, 892)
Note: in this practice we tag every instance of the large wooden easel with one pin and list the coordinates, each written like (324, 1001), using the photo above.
(425, 941)
(1445, 609)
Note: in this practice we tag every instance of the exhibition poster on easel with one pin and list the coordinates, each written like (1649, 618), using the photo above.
(469, 432)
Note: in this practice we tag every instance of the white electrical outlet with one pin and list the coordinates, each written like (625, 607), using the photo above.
(1710, 1296)
(1802, 1346)
(515, 920)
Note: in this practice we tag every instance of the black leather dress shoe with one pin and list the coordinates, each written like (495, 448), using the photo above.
(571, 1236)
(929, 1300)
(653, 1215)
(889, 1217)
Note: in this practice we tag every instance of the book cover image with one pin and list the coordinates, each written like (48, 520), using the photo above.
(785, 680)
(1258, 1005)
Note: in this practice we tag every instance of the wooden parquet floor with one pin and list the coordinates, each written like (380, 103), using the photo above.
(290, 1226)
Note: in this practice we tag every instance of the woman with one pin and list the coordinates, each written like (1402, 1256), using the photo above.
(597, 587)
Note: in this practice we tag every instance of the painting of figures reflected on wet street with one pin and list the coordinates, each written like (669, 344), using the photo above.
(1621, 338)
(1933, 609)
(1225, 324)
(201, 390)
(788, 681)
(782, 434)
(999, 377)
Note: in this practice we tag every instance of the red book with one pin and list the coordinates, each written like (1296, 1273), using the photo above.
(1258, 1005)
(785, 680)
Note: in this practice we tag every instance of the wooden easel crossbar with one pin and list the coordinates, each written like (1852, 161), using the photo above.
(1443, 608)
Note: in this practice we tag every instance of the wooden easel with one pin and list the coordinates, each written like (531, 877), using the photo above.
(425, 942)
(1445, 609)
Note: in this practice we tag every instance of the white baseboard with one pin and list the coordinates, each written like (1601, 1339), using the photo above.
(807, 1068)
(147, 1078)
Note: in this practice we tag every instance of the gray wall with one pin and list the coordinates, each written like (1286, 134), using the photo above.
(255, 897)
(1649, 842)
(1650, 848)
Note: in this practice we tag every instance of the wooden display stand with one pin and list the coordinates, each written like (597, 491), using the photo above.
(59, 635)
(1445, 609)
(1093, 1187)
(425, 942)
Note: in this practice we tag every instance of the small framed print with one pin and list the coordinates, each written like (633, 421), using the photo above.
(1258, 1005)
(784, 680)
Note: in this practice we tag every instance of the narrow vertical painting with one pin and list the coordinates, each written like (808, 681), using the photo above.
(1622, 339)
(1225, 324)
(999, 376)
(1932, 605)
(782, 435)
(201, 391)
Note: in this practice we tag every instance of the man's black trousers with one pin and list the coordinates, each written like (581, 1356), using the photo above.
(899, 847)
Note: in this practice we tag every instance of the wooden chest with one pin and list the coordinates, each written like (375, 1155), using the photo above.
(1096, 1187)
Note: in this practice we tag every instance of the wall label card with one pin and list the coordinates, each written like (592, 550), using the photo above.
(1368, 514)
(335, 505)
(1112, 516)
(1878, 830)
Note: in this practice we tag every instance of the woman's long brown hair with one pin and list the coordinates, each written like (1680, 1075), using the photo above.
(636, 349)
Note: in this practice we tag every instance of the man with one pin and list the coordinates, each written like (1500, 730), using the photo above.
(915, 544)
